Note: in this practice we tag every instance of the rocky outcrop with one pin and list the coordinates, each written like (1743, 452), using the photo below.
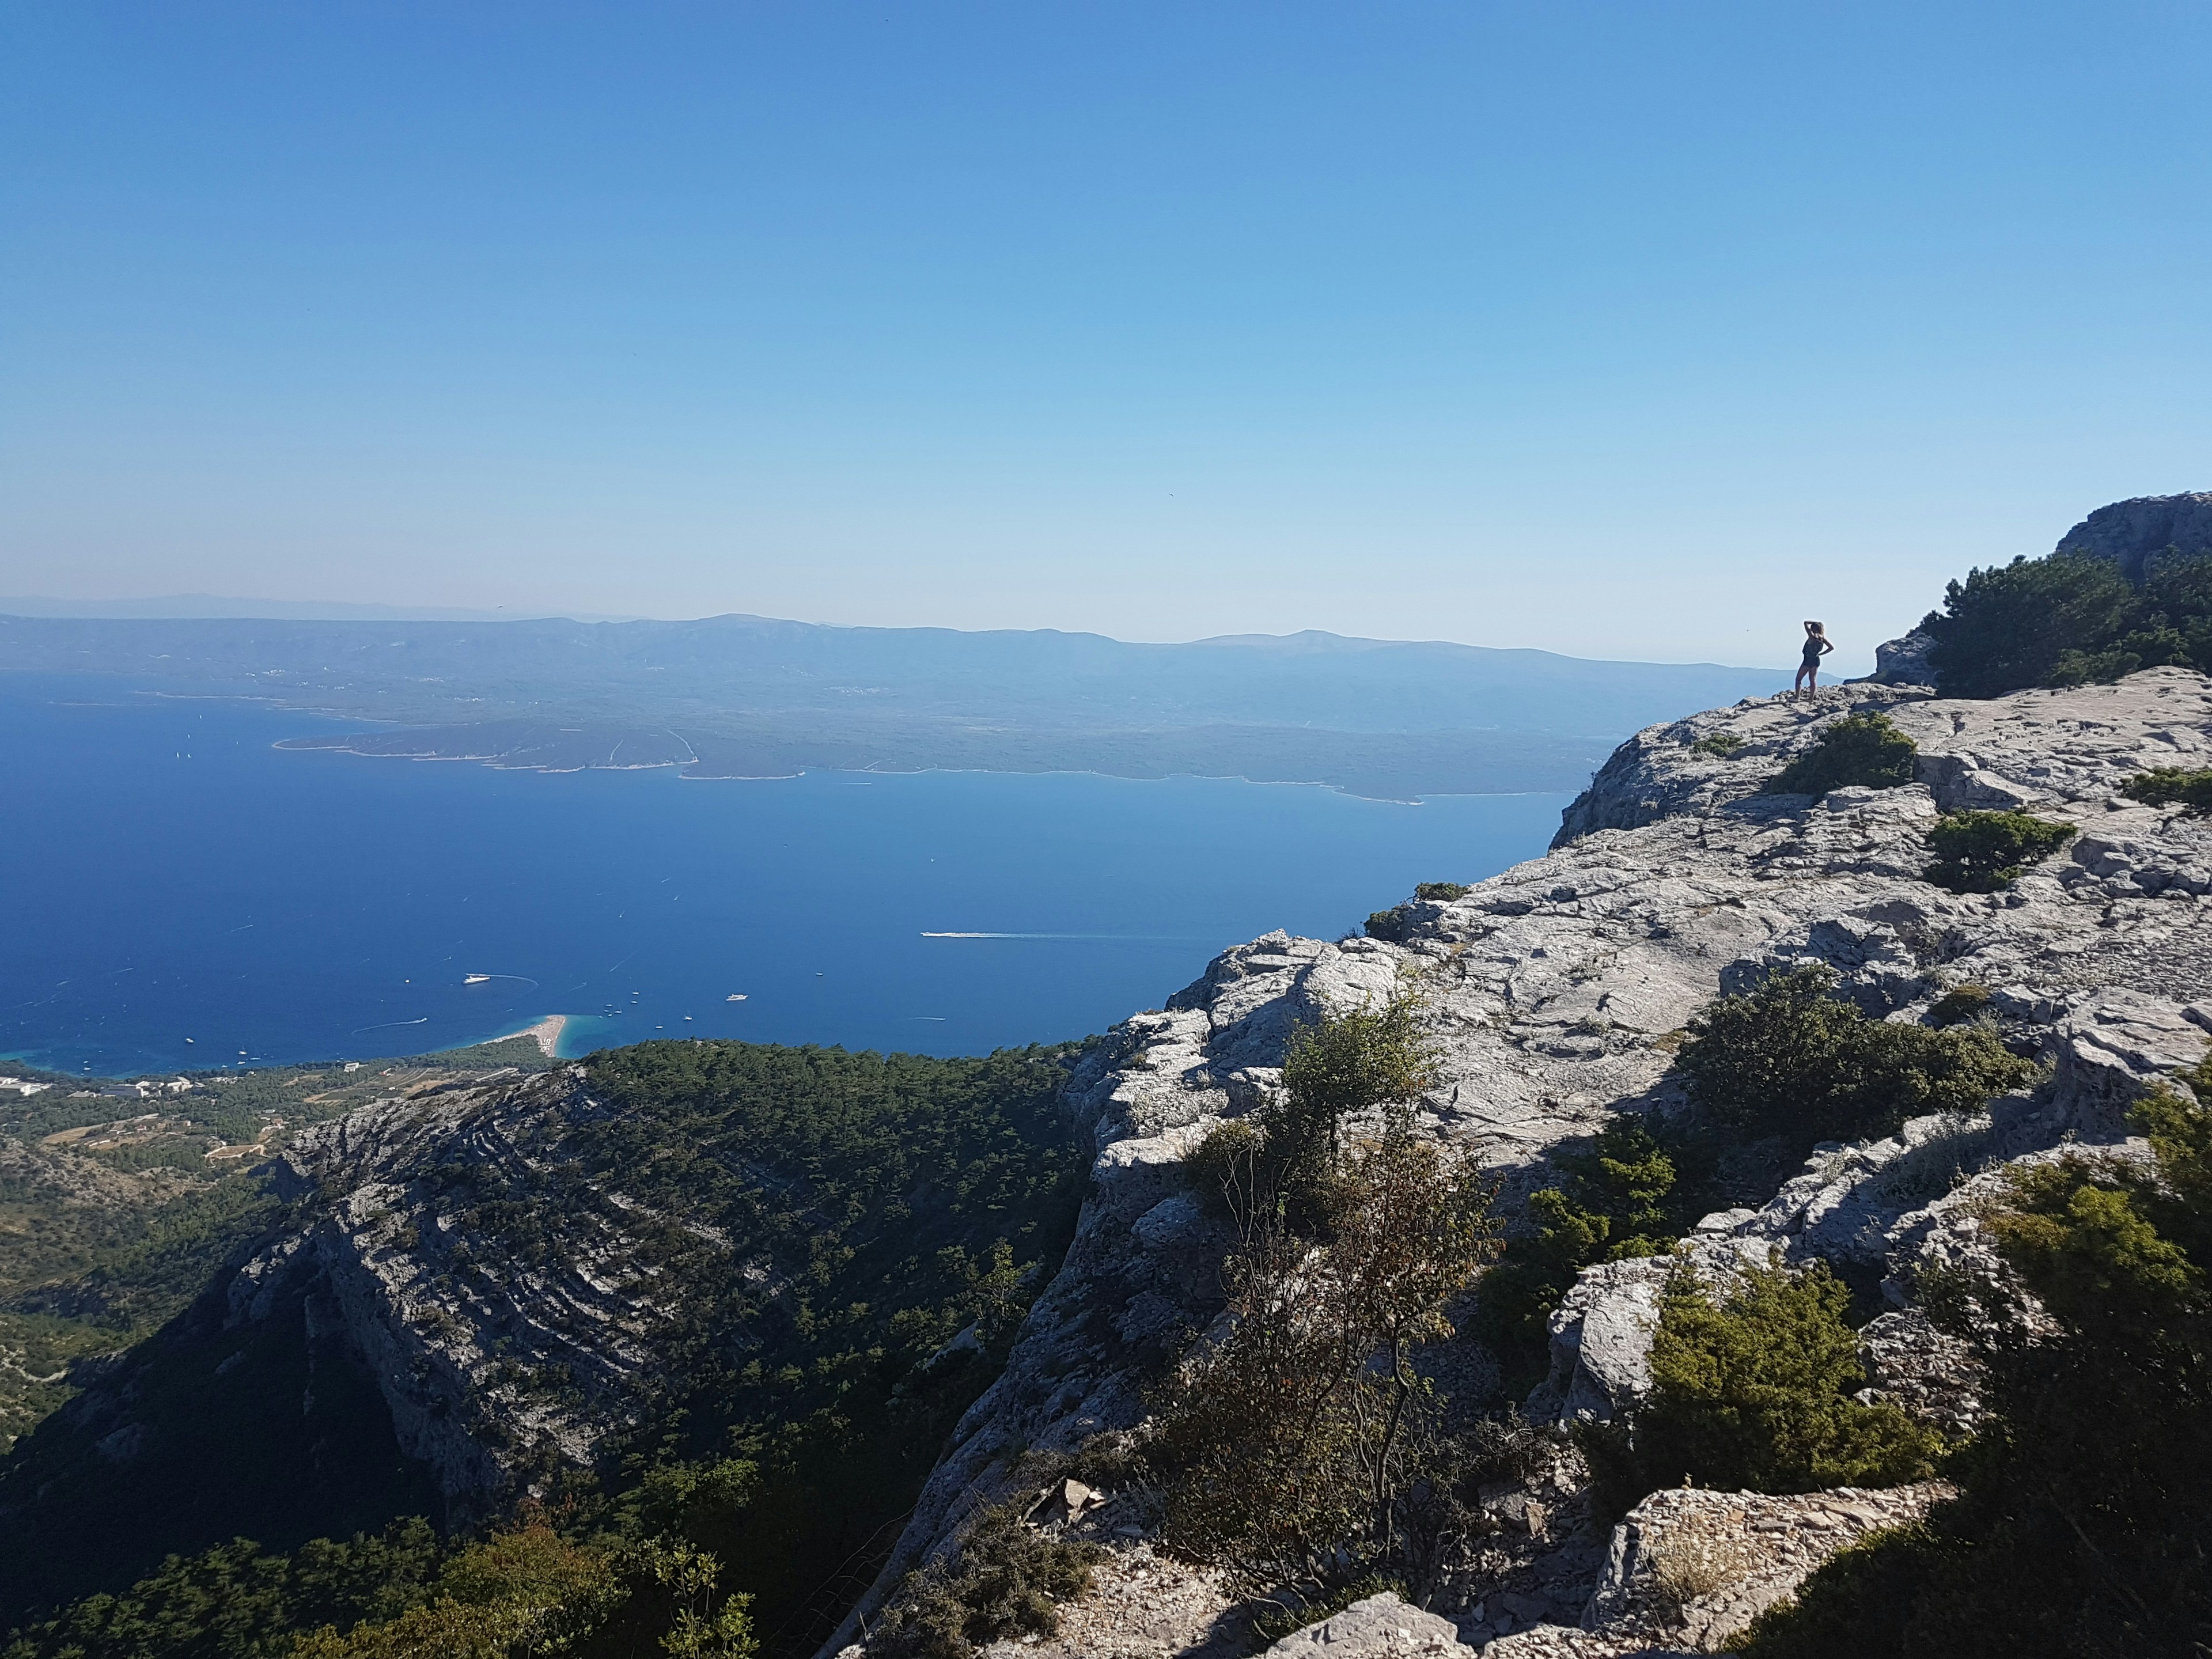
(2130, 532)
(1557, 992)
(1896, 1204)
(1904, 660)
(494, 1362)
(2042, 746)
(1687, 1570)
(1683, 1572)
(1382, 1625)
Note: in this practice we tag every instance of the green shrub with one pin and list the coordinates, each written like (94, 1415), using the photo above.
(1753, 1392)
(1959, 1004)
(1395, 925)
(1791, 1059)
(1619, 1198)
(1864, 751)
(1720, 745)
(1304, 1447)
(1334, 1067)
(1008, 1582)
(1986, 852)
(527, 1591)
(2171, 786)
(2007, 626)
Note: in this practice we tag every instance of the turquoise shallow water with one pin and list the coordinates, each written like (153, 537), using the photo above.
(179, 894)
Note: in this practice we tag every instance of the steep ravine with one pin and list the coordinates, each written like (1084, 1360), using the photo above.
(1553, 987)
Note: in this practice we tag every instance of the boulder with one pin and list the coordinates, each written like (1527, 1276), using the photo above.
(1381, 1624)
(1691, 1569)
(1904, 660)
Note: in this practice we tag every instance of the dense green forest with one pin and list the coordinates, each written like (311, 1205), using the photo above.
(2068, 618)
(889, 1219)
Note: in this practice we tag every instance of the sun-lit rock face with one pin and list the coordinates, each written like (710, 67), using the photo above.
(459, 1325)
(1558, 991)
(2131, 532)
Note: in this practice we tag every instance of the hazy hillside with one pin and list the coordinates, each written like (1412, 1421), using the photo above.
(752, 696)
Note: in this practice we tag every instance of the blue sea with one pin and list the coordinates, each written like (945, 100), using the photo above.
(179, 894)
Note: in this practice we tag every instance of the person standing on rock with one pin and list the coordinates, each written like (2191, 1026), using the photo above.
(1817, 646)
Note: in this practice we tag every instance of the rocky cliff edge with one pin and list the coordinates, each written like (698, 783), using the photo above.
(1558, 990)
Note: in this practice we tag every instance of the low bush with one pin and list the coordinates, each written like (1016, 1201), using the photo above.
(2171, 786)
(1223, 1168)
(1865, 751)
(1958, 1005)
(1791, 1059)
(1395, 925)
(1007, 1583)
(1987, 851)
(1719, 744)
(1619, 1198)
(1753, 1391)
(1378, 1056)
(1303, 1450)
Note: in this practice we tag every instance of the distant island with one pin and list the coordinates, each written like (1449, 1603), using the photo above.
(740, 697)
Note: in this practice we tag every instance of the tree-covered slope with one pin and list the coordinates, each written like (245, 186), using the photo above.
(586, 1291)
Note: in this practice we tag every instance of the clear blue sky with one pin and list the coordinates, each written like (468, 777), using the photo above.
(1637, 330)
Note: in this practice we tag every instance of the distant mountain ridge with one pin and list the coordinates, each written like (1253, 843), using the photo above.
(750, 696)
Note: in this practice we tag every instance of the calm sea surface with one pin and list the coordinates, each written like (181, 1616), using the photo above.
(174, 892)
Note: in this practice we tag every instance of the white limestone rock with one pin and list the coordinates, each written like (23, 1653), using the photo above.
(1380, 1626)
(1558, 990)
(1691, 1569)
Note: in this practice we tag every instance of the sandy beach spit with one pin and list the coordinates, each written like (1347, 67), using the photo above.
(547, 1031)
